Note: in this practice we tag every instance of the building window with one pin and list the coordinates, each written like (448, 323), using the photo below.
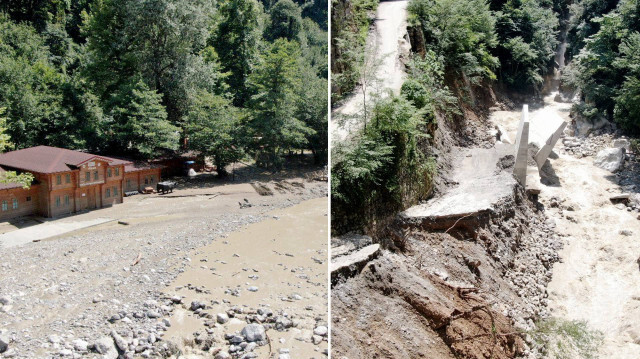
(95, 175)
(115, 191)
(117, 171)
(108, 192)
(58, 179)
(108, 172)
(128, 184)
(146, 180)
(15, 203)
(5, 206)
(67, 178)
(28, 198)
(57, 201)
(66, 199)
(88, 176)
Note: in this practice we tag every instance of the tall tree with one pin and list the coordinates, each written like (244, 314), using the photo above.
(236, 40)
(273, 123)
(139, 124)
(286, 21)
(214, 130)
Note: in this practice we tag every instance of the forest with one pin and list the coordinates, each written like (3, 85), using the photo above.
(231, 79)
(508, 45)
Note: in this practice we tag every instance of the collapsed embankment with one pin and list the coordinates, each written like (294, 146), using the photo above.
(450, 293)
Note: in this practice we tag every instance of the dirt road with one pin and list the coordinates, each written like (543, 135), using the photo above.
(386, 45)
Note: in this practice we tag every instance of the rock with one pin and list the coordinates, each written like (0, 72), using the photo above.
(316, 339)
(80, 345)
(625, 232)
(252, 289)
(620, 197)
(120, 342)
(610, 159)
(254, 333)
(66, 353)
(320, 330)
(4, 344)
(5, 300)
(54, 339)
(222, 318)
(621, 143)
(222, 355)
(153, 314)
(195, 305)
(106, 347)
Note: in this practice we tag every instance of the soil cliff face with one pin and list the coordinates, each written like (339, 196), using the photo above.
(447, 295)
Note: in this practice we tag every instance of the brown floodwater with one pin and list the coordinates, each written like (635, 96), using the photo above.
(285, 257)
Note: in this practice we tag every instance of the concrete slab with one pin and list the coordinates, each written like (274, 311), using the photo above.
(46, 230)
(346, 265)
(545, 130)
(482, 186)
(522, 147)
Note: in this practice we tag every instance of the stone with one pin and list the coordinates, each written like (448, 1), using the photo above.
(252, 289)
(222, 318)
(610, 159)
(316, 339)
(66, 353)
(5, 300)
(80, 345)
(106, 347)
(222, 355)
(254, 333)
(621, 143)
(54, 339)
(4, 344)
(320, 330)
(625, 232)
(195, 305)
(120, 342)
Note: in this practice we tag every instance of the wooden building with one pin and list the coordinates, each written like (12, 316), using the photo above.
(65, 182)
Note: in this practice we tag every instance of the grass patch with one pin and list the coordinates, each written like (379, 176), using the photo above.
(567, 339)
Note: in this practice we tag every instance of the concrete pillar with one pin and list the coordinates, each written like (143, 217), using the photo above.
(522, 147)
(546, 129)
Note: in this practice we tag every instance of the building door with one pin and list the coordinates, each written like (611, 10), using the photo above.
(91, 198)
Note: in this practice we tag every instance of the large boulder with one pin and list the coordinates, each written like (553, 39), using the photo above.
(610, 159)
(254, 333)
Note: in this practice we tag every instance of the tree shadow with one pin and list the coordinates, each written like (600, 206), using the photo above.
(295, 167)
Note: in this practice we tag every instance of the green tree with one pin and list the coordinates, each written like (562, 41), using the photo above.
(214, 128)
(273, 123)
(139, 124)
(236, 40)
(25, 179)
(286, 21)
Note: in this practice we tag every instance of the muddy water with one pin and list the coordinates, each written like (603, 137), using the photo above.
(597, 280)
(285, 257)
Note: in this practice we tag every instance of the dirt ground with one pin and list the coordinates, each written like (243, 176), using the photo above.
(80, 286)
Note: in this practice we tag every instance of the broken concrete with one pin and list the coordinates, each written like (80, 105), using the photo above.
(544, 131)
(345, 266)
(47, 230)
(522, 147)
(482, 187)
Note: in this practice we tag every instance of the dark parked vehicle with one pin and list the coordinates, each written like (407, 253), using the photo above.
(164, 187)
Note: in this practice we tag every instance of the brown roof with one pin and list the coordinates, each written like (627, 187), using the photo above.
(45, 159)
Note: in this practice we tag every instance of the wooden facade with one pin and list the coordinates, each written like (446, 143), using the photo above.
(82, 182)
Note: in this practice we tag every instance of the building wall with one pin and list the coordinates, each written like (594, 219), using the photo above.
(96, 171)
(59, 206)
(138, 180)
(114, 191)
(25, 207)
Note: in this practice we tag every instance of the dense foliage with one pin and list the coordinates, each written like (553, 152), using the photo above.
(606, 70)
(141, 77)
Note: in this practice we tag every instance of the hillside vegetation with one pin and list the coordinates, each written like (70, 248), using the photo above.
(142, 78)
(466, 45)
